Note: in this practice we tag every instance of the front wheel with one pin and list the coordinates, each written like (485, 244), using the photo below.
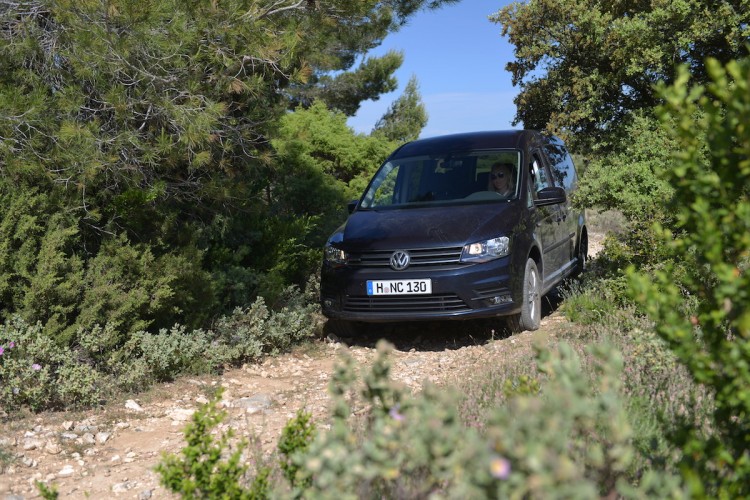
(530, 316)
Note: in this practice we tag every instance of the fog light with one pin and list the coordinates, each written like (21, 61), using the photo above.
(328, 303)
(500, 299)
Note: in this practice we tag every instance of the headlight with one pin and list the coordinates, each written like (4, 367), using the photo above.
(335, 256)
(484, 251)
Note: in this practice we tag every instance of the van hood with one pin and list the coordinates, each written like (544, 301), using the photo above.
(426, 227)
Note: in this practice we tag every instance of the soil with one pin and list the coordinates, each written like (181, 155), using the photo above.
(112, 452)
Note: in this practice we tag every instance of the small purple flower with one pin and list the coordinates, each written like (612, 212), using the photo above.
(11, 345)
(395, 415)
(36, 367)
(500, 468)
(2, 350)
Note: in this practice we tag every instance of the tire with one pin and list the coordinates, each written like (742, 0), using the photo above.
(530, 316)
(582, 255)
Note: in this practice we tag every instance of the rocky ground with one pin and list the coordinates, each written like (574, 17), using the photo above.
(112, 452)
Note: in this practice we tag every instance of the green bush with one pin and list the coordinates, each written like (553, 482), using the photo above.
(41, 272)
(39, 374)
(710, 335)
(171, 353)
(295, 440)
(574, 440)
(132, 288)
(211, 467)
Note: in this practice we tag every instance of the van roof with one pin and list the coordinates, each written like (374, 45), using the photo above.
(497, 139)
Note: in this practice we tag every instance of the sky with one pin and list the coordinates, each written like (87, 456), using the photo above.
(459, 58)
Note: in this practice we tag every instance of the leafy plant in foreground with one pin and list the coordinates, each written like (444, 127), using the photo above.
(712, 206)
(211, 467)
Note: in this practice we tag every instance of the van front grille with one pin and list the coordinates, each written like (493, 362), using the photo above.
(420, 257)
(406, 304)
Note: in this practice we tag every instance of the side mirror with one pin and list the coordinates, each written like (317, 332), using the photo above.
(550, 196)
(352, 205)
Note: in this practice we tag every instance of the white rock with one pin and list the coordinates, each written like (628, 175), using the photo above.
(102, 437)
(132, 405)
(254, 404)
(66, 471)
(32, 444)
(123, 487)
(52, 448)
(181, 414)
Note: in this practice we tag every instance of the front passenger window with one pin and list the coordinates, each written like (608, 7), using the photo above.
(539, 176)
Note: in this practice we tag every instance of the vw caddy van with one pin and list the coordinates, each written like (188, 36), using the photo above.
(431, 239)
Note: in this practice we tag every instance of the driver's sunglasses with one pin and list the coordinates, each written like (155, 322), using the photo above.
(499, 175)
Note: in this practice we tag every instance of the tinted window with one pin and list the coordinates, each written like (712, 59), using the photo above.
(561, 164)
(539, 177)
(455, 178)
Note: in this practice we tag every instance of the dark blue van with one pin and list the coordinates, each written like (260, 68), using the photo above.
(462, 226)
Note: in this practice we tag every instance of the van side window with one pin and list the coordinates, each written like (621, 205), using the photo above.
(538, 178)
(563, 170)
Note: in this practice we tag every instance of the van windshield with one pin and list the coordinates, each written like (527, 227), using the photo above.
(456, 178)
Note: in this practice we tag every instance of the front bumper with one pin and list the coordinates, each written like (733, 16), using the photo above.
(463, 291)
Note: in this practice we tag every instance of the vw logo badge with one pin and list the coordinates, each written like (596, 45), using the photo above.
(400, 260)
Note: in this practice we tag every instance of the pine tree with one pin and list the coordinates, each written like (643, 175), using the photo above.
(406, 117)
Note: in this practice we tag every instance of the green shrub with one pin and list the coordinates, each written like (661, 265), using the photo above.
(295, 440)
(80, 386)
(571, 439)
(211, 467)
(133, 289)
(40, 374)
(171, 353)
(575, 439)
(602, 298)
(711, 335)
(249, 334)
(41, 273)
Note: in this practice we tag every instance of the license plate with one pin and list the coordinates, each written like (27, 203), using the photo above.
(399, 287)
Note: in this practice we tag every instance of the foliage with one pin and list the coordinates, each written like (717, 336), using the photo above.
(295, 440)
(139, 183)
(584, 66)
(41, 277)
(319, 157)
(629, 179)
(47, 492)
(40, 373)
(713, 217)
(405, 118)
(575, 439)
(209, 467)
(344, 92)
